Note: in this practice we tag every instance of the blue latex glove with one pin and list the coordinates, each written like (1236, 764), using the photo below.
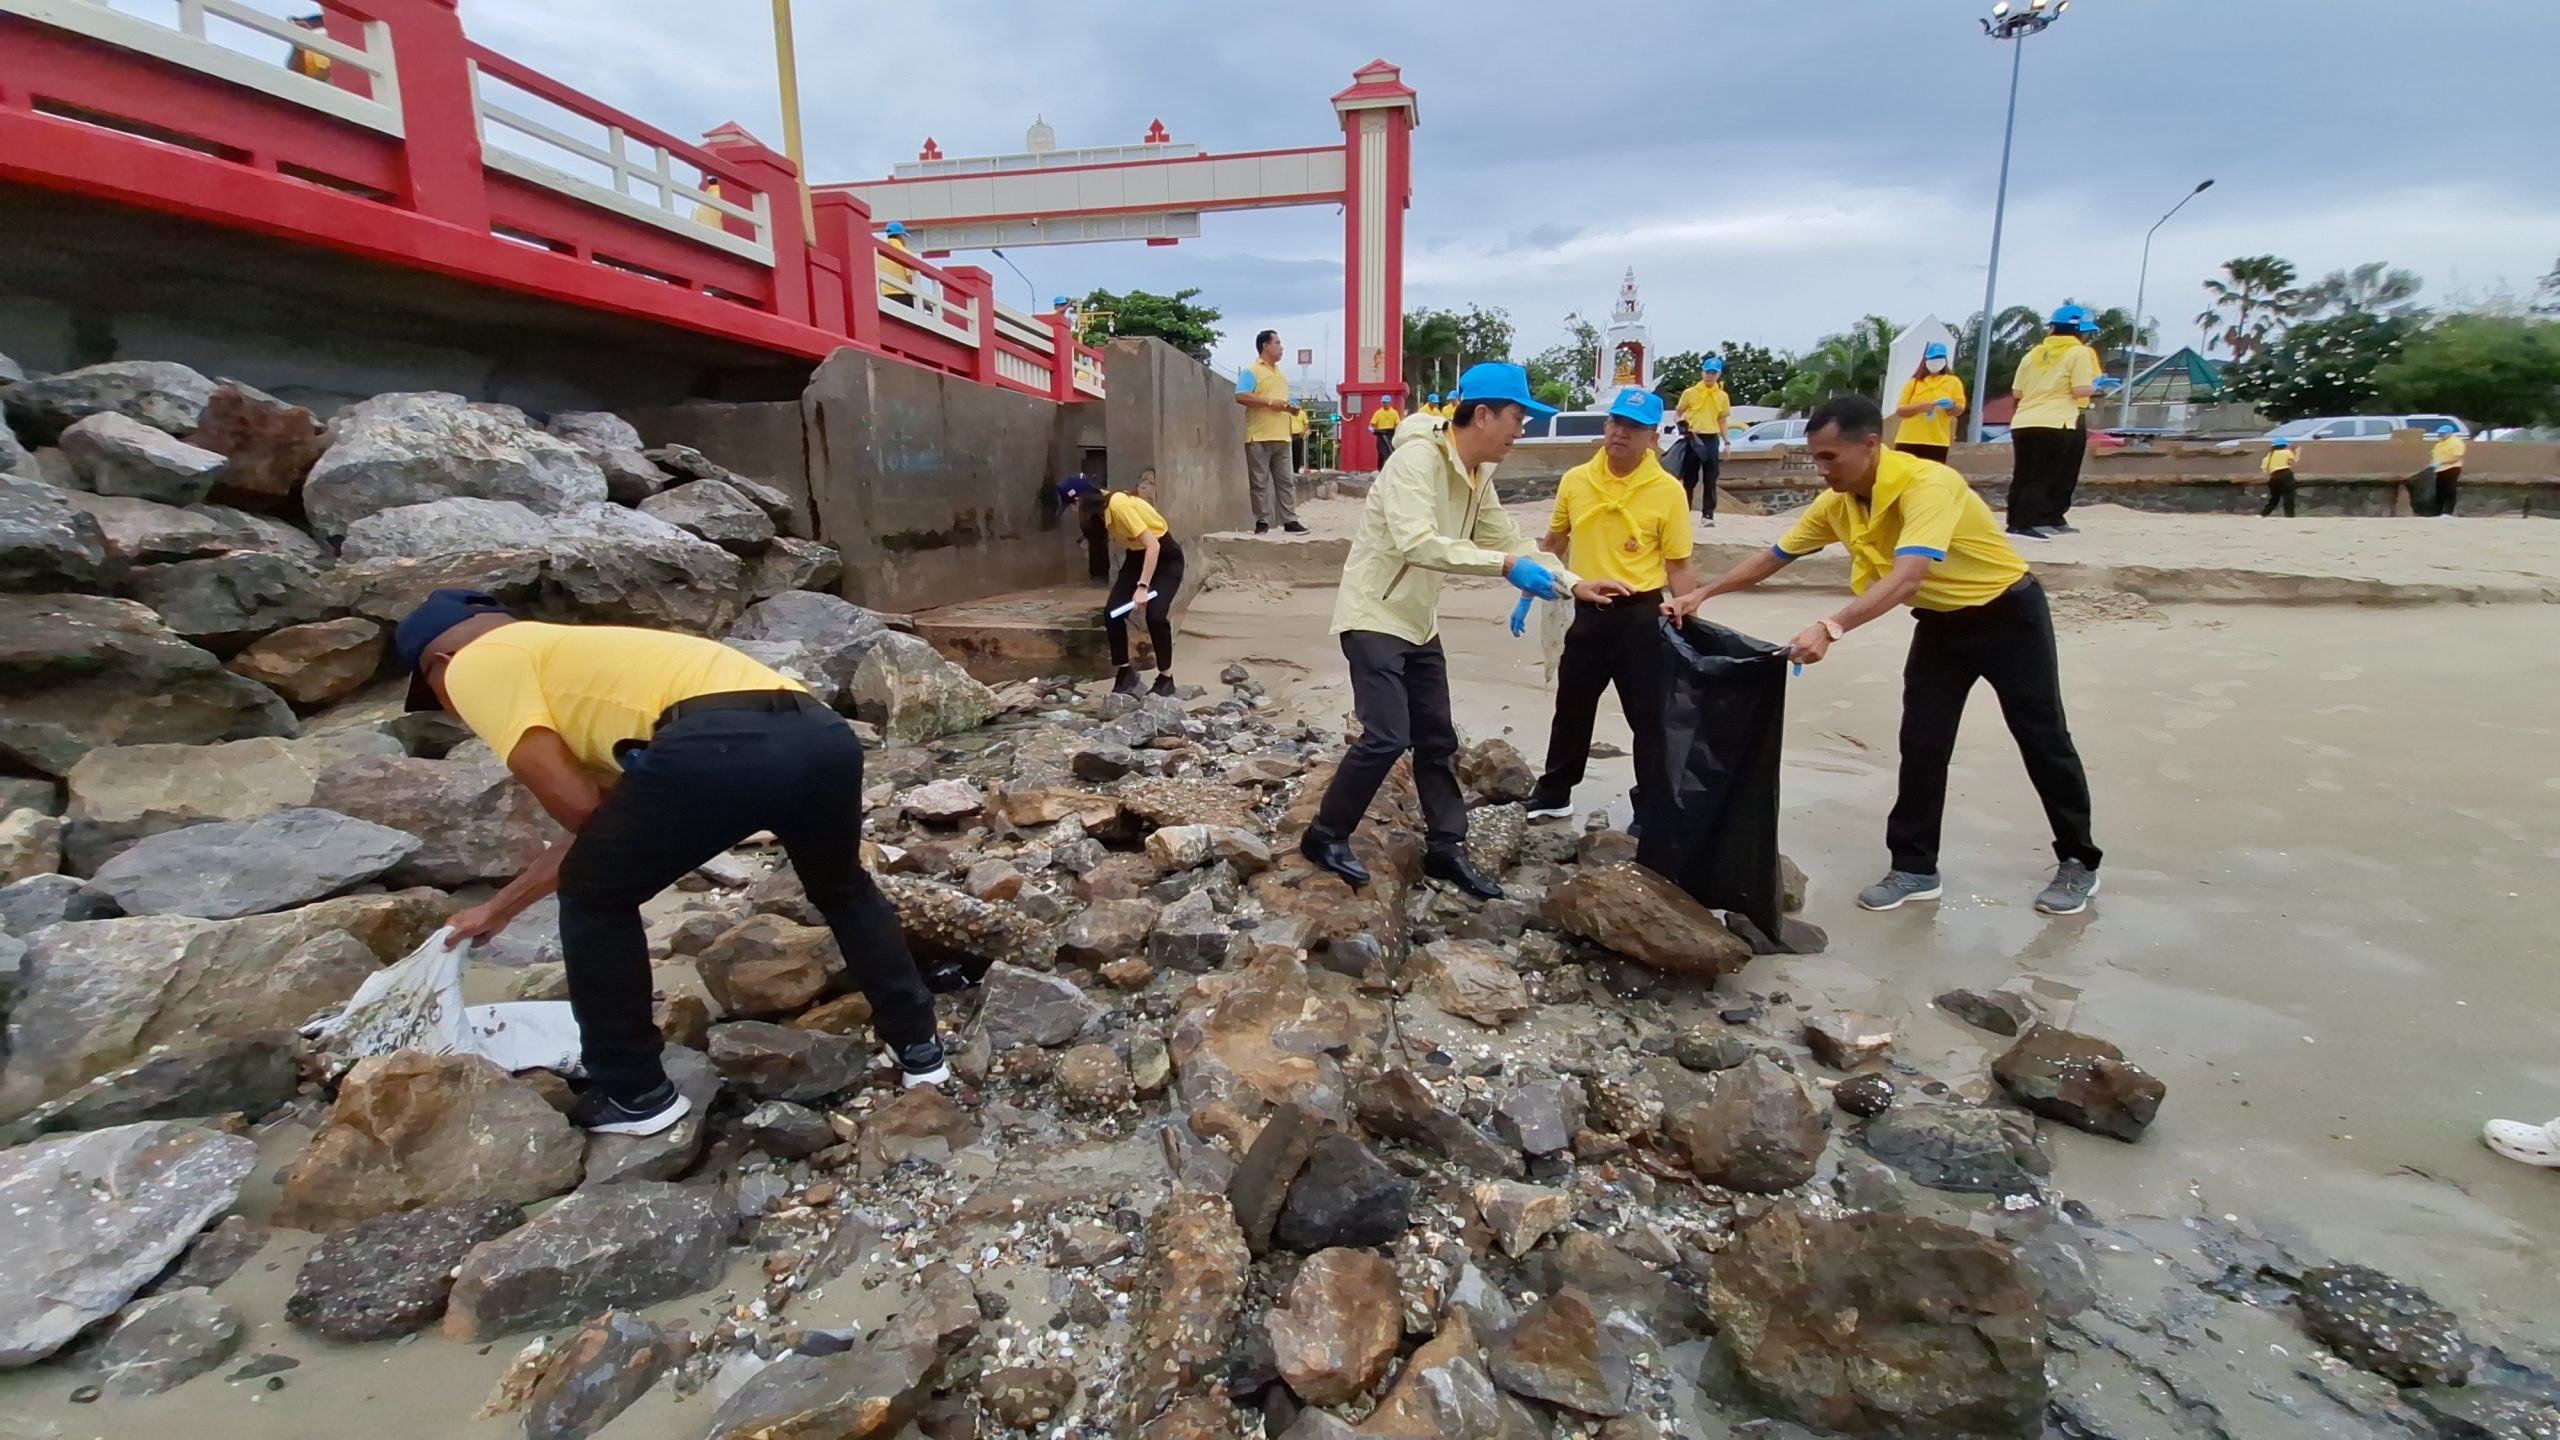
(1520, 616)
(1533, 579)
(1944, 405)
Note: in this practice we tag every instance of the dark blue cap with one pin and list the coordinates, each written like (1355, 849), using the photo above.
(417, 630)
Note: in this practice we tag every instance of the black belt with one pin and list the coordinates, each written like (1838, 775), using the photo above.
(776, 702)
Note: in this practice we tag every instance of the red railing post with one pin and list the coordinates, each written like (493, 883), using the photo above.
(440, 121)
(772, 175)
(844, 231)
(1062, 371)
(974, 282)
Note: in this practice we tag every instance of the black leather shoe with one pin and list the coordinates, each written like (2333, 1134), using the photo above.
(1126, 682)
(1453, 868)
(1334, 855)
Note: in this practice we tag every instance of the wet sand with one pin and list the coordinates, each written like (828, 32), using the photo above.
(2327, 917)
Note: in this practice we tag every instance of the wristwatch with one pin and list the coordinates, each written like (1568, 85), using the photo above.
(1833, 626)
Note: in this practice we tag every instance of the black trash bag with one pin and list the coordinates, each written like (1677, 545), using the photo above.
(1711, 825)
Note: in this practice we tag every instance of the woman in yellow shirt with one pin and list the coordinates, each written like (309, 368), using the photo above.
(2279, 468)
(2447, 460)
(1931, 400)
(1150, 576)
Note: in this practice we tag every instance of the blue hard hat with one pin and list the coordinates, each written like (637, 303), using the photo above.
(1639, 405)
(1504, 383)
(1936, 351)
(897, 229)
(1712, 365)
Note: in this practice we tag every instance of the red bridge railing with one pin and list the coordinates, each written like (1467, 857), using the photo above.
(390, 134)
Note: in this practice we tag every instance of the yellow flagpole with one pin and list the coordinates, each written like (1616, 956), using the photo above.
(787, 63)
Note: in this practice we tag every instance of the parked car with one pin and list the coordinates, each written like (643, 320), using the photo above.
(2361, 427)
(1586, 425)
(1766, 436)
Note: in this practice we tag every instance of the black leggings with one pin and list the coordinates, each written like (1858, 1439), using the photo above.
(1168, 581)
(2447, 482)
(2280, 489)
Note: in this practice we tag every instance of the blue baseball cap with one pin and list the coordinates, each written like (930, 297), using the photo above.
(1077, 486)
(1497, 381)
(2073, 315)
(1936, 351)
(2448, 428)
(1639, 405)
(1712, 365)
(1431, 399)
(421, 627)
(2280, 443)
(897, 229)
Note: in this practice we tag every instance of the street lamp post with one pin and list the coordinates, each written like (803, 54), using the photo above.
(2004, 24)
(2133, 342)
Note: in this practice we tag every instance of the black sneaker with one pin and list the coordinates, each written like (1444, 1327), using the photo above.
(922, 1063)
(1163, 686)
(2063, 527)
(1126, 682)
(1294, 528)
(1261, 528)
(601, 1114)
(1550, 807)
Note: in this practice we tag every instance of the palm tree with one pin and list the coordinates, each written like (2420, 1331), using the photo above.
(2254, 298)
(2012, 336)
(1849, 363)
(2373, 287)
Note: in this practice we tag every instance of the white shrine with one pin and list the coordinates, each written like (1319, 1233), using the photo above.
(1626, 347)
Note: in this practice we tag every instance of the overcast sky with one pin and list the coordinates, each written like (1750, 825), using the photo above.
(1772, 171)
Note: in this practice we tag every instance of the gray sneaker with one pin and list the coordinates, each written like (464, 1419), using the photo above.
(1898, 886)
(2073, 884)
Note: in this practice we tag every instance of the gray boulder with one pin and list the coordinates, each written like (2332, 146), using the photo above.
(40, 900)
(905, 687)
(455, 526)
(248, 530)
(159, 394)
(629, 476)
(146, 532)
(121, 793)
(714, 511)
(72, 1261)
(594, 430)
(619, 1159)
(78, 672)
(824, 635)
(775, 1062)
(48, 542)
(407, 449)
(116, 455)
(1962, 1148)
(790, 564)
(164, 1342)
(227, 601)
(662, 578)
(387, 590)
(230, 869)
(475, 822)
(1025, 1007)
(634, 1244)
(389, 1276)
(249, 1074)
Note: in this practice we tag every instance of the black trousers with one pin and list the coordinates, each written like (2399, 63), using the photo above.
(1386, 442)
(1619, 645)
(2447, 482)
(2071, 478)
(2280, 488)
(1400, 691)
(1159, 608)
(2039, 464)
(2009, 642)
(1297, 452)
(1701, 461)
(700, 786)
(1097, 545)
(1925, 452)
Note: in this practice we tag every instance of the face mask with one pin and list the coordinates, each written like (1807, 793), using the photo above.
(1937, 367)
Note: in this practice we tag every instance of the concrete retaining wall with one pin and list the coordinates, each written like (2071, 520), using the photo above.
(1168, 413)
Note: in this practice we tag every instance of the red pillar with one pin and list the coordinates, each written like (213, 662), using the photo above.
(1378, 114)
(439, 118)
(1062, 375)
(346, 29)
(980, 287)
(844, 231)
(769, 173)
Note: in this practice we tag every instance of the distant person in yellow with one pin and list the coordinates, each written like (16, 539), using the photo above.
(1263, 390)
(1705, 410)
(2279, 472)
(1150, 576)
(1931, 401)
(306, 61)
(897, 282)
(1382, 428)
(1917, 534)
(1298, 440)
(2447, 457)
(2051, 382)
(1619, 516)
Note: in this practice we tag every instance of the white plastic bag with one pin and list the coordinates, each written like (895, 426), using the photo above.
(1554, 618)
(417, 1005)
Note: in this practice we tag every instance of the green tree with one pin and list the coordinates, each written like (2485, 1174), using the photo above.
(1755, 374)
(1440, 344)
(2116, 335)
(1675, 373)
(2488, 369)
(2546, 296)
(2319, 367)
(2013, 334)
(1174, 319)
(1849, 363)
(2373, 285)
(1561, 375)
(2251, 302)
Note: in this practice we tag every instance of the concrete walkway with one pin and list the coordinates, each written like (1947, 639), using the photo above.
(2214, 558)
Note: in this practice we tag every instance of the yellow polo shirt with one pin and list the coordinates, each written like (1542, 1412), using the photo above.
(1297, 422)
(1930, 427)
(891, 270)
(1131, 520)
(1261, 425)
(2449, 451)
(2045, 381)
(594, 685)
(1919, 507)
(1705, 409)
(1385, 417)
(1624, 528)
(2277, 460)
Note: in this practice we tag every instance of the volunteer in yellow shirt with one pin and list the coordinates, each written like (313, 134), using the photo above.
(306, 61)
(1298, 440)
(1150, 576)
(656, 752)
(2447, 458)
(1263, 390)
(2279, 471)
(1705, 410)
(1619, 516)
(1917, 534)
(1431, 512)
(2051, 382)
(1932, 399)
(897, 282)
(2088, 327)
(1382, 428)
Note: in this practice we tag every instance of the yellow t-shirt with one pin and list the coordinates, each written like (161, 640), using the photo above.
(595, 685)
(1704, 408)
(1624, 528)
(1261, 425)
(1131, 520)
(2085, 401)
(1385, 417)
(1919, 507)
(2448, 452)
(891, 270)
(2277, 460)
(1930, 427)
(2045, 381)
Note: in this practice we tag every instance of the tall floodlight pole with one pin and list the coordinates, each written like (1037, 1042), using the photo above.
(2142, 282)
(2004, 24)
(786, 65)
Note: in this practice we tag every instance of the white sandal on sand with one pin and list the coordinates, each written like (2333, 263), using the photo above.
(2529, 1144)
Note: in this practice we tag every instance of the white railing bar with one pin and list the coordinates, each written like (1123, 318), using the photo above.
(535, 172)
(621, 163)
(166, 42)
(534, 129)
(191, 18)
(193, 13)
